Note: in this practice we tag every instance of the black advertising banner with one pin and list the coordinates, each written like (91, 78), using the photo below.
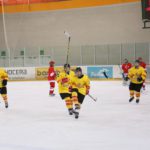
(146, 9)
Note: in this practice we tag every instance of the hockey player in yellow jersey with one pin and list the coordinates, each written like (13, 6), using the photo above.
(63, 81)
(80, 85)
(3, 84)
(137, 76)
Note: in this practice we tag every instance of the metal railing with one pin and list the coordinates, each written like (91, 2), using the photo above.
(108, 54)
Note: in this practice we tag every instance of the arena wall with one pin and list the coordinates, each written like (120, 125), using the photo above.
(14, 6)
(96, 25)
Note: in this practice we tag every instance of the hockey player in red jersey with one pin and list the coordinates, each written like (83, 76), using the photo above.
(125, 68)
(142, 64)
(51, 78)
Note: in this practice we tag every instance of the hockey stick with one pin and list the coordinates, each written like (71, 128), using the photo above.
(121, 72)
(68, 48)
(94, 99)
(106, 76)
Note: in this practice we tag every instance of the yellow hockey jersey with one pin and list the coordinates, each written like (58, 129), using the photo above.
(66, 78)
(3, 75)
(134, 73)
(81, 84)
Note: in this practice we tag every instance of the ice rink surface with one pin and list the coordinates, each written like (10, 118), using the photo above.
(35, 121)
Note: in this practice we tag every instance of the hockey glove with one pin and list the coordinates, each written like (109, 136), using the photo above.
(87, 91)
(139, 79)
(4, 82)
(126, 78)
(70, 89)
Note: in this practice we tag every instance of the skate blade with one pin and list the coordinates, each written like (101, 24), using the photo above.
(76, 115)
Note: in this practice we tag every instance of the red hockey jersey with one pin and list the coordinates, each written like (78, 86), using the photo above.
(126, 67)
(51, 73)
(143, 64)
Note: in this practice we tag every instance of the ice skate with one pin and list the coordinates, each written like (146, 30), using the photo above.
(137, 101)
(52, 94)
(6, 104)
(76, 114)
(131, 99)
(70, 111)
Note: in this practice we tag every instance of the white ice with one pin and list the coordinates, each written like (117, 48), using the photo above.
(35, 121)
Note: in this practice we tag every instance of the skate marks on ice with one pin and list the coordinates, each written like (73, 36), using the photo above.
(35, 121)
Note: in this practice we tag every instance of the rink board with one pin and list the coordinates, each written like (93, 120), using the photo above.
(40, 73)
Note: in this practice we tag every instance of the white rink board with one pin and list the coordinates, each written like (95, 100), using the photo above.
(116, 72)
(84, 69)
(21, 73)
(29, 73)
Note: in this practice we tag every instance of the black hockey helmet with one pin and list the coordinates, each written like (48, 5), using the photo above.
(66, 65)
(78, 69)
(137, 61)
